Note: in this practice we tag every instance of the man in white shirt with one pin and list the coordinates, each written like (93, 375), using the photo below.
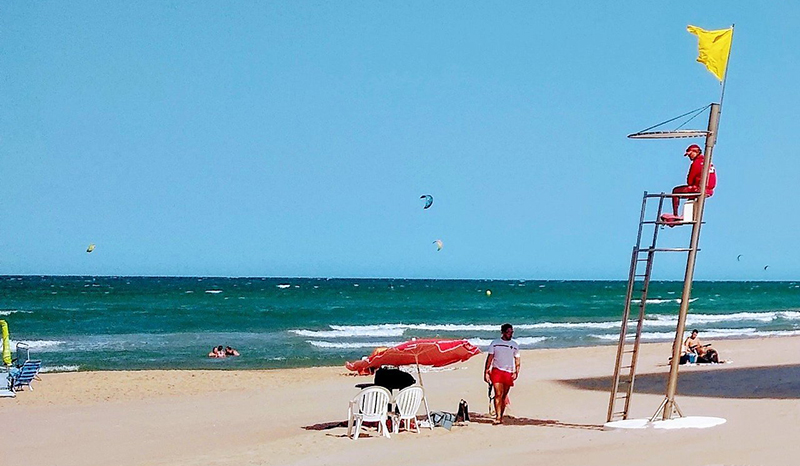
(502, 368)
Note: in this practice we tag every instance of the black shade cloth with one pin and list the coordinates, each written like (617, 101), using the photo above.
(393, 379)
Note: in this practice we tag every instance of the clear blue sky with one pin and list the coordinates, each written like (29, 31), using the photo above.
(295, 138)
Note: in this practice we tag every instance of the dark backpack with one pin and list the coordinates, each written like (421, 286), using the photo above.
(463, 412)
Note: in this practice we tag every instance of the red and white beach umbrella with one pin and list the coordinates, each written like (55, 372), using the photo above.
(427, 352)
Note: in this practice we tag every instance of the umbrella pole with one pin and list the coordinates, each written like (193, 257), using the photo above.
(424, 397)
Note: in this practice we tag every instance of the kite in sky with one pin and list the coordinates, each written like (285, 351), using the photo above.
(428, 200)
(90, 248)
(439, 244)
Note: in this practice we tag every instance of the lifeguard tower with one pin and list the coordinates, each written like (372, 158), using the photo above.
(641, 268)
(714, 52)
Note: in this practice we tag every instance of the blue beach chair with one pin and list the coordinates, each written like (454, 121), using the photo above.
(27, 372)
(5, 386)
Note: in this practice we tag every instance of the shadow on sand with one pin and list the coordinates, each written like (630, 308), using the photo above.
(479, 419)
(336, 424)
(526, 421)
(775, 382)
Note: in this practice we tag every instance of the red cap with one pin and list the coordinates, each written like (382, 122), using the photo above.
(694, 146)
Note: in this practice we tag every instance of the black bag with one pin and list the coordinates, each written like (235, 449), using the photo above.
(463, 412)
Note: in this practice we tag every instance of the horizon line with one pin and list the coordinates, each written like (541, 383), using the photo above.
(290, 277)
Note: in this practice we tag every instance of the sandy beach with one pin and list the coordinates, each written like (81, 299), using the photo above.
(268, 417)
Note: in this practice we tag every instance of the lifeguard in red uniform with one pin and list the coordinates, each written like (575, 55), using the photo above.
(693, 178)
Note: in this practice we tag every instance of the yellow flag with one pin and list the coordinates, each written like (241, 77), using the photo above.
(713, 49)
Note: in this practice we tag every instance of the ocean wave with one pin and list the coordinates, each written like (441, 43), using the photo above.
(283, 286)
(542, 305)
(693, 319)
(344, 345)
(453, 327)
(383, 329)
(611, 324)
(780, 333)
(521, 341)
(396, 329)
(213, 291)
(354, 332)
(39, 344)
(662, 301)
(8, 312)
(59, 369)
(709, 333)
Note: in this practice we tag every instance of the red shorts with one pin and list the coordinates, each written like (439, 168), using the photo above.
(501, 376)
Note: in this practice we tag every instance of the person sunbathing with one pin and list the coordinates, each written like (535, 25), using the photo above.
(687, 354)
(705, 353)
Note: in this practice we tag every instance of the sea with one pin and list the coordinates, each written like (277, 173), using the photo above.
(133, 323)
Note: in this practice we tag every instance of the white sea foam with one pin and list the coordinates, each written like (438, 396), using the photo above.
(567, 325)
(383, 329)
(652, 321)
(8, 312)
(453, 327)
(780, 333)
(692, 319)
(396, 330)
(283, 286)
(705, 334)
(213, 291)
(355, 332)
(662, 301)
(521, 341)
(41, 345)
(480, 341)
(59, 369)
(362, 344)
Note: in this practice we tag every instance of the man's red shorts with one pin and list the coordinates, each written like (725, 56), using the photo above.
(503, 377)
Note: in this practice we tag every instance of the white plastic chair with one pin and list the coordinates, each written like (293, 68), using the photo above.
(370, 405)
(407, 401)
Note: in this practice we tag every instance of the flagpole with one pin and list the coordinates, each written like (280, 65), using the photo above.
(727, 62)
